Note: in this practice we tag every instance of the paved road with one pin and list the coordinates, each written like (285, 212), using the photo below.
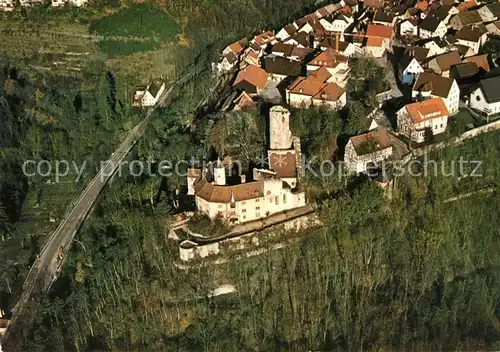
(46, 269)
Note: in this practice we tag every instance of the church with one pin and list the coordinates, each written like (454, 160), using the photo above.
(272, 190)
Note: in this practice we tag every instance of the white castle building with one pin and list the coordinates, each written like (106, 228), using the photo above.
(272, 190)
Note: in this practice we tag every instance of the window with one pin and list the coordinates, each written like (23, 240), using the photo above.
(441, 125)
(284, 198)
(257, 200)
(244, 217)
(219, 206)
(276, 200)
(257, 208)
(478, 98)
(243, 210)
(257, 215)
(243, 203)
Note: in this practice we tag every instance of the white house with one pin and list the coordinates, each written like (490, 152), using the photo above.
(416, 119)
(493, 28)
(338, 24)
(344, 48)
(432, 27)
(6, 5)
(379, 39)
(489, 12)
(311, 91)
(409, 68)
(473, 36)
(287, 31)
(429, 85)
(442, 64)
(367, 149)
(227, 63)
(153, 92)
(409, 27)
(486, 97)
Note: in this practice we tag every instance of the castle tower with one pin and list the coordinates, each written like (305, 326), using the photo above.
(279, 128)
(219, 173)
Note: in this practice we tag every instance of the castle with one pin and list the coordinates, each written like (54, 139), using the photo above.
(272, 190)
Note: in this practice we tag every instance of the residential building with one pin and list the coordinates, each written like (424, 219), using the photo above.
(486, 97)
(251, 79)
(300, 39)
(4, 323)
(473, 36)
(367, 150)
(463, 19)
(278, 68)
(481, 61)
(416, 120)
(384, 18)
(29, 3)
(336, 64)
(444, 13)
(271, 191)
(409, 68)
(227, 63)
(493, 28)
(287, 31)
(235, 48)
(373, 4)
(467, 5)
(6, 5)
(311, 91)
(490, 12)
(409, 28)
(421, 54)
(442, 64)
(264, 39)
(432, 27)
(379, 39)
(429, 86)
(153, 93)
(346, 49)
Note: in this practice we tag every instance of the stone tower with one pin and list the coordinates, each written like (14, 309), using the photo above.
(219, 173)
(279, 128)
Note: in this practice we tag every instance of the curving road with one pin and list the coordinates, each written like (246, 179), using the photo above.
(46, 268)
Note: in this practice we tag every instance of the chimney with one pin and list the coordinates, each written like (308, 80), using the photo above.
(243, 178)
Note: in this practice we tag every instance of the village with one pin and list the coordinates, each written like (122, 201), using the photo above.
(433, 50)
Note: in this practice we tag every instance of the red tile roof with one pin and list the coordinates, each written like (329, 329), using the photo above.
(480, 61)
(371, 142)
(224, 194)
(252, 74)
(427, 110)
(320, 75)
(236, 48)
(379, 31)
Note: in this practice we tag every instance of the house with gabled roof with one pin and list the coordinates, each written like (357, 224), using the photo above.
(287, 31)
(463, 19)
(421, 54)
(300, 39)
(493, 28)
(311, 91)
(481, 61)
(486, 97)
(429, 85)
(251, 79)
(432, 27)
(244, 101)
(336, 64)
(6, 5)
(153, 92)
(408, 69)
(473, 36)
(416, 119)
(337, 23)
(374, 4)
(379, 39)
(346, 49)
(384, 18)
(442, 64)
(409, 27)
(368, 149)
(271, 191)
